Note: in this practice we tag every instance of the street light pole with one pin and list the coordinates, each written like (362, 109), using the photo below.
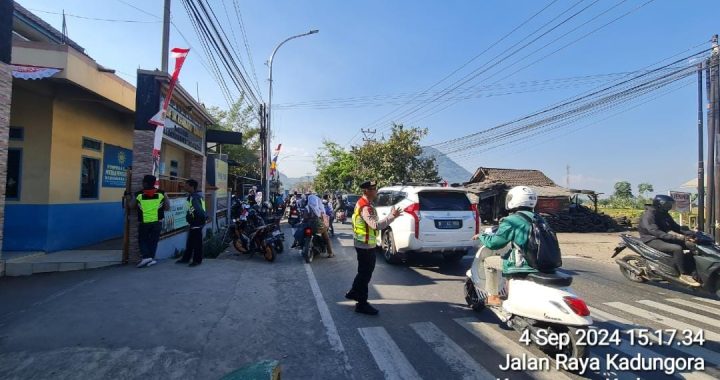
(268, 133)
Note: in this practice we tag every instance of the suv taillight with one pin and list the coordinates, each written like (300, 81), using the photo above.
(476, 214)
(414, 211)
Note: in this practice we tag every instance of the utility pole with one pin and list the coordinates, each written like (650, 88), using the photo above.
(701, 162)
(166, 36)
(368, 134)
(567, 176)
(715, 58)
(263, 145)
(713, 203)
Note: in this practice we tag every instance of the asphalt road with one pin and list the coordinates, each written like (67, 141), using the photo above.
(424, 329)
(174, 322)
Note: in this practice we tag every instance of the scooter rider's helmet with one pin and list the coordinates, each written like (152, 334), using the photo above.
(663, 203)
(520, 196)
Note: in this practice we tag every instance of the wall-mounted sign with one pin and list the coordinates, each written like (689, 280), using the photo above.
(116, 161)
(682, 201)
(175, 218)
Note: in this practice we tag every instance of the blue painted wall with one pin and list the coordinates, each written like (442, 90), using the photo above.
(58, 227)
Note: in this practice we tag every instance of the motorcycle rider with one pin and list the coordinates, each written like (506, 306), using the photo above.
(658, 230)
(512, 229)
(316, 212)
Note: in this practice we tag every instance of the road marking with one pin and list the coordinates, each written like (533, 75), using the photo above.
(695, 305)
(625, 325)
(332, 333)
(714, 302)
(505, 345)
(457, 359)
(387, 354)
(657, 318)
(681, 312)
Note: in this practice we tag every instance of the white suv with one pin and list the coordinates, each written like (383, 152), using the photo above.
(434, 219)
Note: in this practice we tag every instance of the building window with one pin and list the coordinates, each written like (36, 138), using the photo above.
(12, 186)
(89, 181)
(173, 164)
(91, 144)
(17, 133)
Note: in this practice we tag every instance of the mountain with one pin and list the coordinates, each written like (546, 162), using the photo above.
(449, 170)
(289, 183)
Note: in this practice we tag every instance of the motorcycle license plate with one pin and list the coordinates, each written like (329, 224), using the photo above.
(448, 224)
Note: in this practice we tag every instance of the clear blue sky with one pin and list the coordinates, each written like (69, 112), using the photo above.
(391, 47)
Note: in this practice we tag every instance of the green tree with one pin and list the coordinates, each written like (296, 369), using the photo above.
(623, 190)
(240, 118)
(645, 188)
(396, 159)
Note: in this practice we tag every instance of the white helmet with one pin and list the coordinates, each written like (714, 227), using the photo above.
(520, 196)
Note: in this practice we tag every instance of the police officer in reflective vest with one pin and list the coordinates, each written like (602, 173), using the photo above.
(151, 204)
(366, 227)
(196, 218)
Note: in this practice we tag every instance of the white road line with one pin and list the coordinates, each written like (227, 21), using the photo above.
(657, 318)
(681, 312)
(714, 302)
(505, 345)
(625, 325)
(387, 354)
(457, 359)
(695, 305)
(327, 320)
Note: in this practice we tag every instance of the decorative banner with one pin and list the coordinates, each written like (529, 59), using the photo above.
(159, 119)
(682, 201)
(33, 72)
(116, 161)
(273, 164)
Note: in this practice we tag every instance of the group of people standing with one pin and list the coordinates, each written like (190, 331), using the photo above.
(151, 204)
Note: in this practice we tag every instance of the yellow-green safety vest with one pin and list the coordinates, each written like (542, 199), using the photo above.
(150, 207)
(361, 231)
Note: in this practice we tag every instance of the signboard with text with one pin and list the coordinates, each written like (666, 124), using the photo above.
(116, 161)
(175, 218)
(682, 201)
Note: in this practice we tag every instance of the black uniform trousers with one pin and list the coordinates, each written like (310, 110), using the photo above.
(148, 237)
(194, 246)
(684, 263)
(366, 266)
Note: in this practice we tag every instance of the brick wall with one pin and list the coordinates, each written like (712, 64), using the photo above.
(5, 96)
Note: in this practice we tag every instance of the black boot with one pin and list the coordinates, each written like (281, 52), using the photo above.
(365, 308)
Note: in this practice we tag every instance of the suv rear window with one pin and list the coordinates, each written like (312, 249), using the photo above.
(443, 201)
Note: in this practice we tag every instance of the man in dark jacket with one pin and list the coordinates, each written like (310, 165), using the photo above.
(196, 218)
(658, 230)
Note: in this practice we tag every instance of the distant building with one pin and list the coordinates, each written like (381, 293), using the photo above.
(71, 139)
(490, 186)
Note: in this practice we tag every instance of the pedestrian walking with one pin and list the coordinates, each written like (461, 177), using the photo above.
(151, 204)
(365, 231)
(196, 218)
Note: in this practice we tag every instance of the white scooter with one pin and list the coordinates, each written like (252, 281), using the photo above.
(541, 306)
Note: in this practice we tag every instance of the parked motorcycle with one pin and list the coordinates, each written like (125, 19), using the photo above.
(541, 304)
(254, 236)
(649, 264)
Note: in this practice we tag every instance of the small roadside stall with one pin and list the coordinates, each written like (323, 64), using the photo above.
(183, 156)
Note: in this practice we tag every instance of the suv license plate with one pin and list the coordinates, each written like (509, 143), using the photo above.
(448, 224)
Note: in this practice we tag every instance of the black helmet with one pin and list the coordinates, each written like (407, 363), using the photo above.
(663, 202)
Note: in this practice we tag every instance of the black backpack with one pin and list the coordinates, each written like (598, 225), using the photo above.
(543, 250)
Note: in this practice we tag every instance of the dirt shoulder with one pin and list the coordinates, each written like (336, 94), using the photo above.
(594, 246)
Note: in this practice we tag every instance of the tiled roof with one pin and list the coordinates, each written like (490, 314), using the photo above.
(511, 177)
(48, 29)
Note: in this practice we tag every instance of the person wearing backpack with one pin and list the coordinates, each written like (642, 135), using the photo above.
(526, 232)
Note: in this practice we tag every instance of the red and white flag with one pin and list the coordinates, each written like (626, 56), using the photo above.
(159, 119)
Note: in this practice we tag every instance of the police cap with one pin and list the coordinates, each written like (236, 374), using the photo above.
(368, 185)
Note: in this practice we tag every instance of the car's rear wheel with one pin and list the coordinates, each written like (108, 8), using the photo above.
(388, 246)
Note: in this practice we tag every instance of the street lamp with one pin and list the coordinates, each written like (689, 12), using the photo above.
(269, 109)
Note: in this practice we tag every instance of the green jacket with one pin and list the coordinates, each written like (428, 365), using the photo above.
(513, 228)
